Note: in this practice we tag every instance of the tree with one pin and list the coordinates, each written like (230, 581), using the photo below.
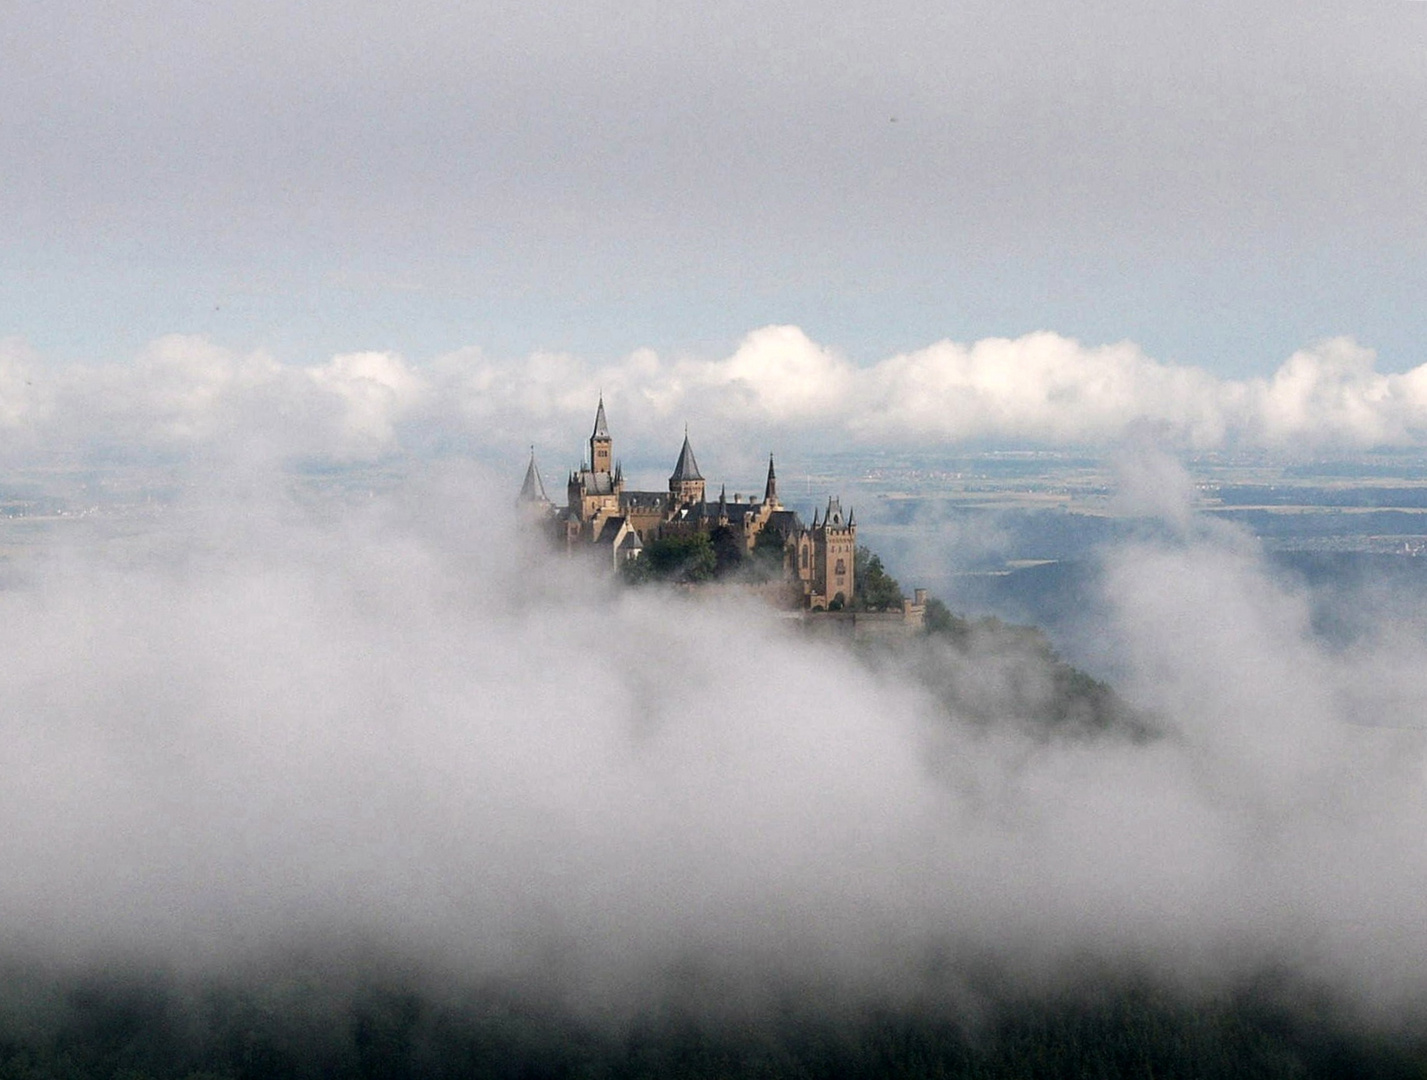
(768, 557)
(873, 588)
(682, 559)
(940, 620)
(728, 551)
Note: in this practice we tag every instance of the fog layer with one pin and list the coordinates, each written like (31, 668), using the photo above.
(392, 722)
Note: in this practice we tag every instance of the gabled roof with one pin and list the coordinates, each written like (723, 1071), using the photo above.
(686, 468)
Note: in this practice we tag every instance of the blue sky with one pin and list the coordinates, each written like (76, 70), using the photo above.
(1220, 183)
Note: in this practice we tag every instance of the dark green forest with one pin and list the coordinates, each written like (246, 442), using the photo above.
(133, 1027)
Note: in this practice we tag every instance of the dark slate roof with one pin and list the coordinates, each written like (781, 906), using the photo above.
(770, 489)
(596, 483)
(786, 522)
(686, 468)
(651, 500)
(601, 427)
(612, 525)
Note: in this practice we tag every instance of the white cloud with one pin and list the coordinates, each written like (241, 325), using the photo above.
(781, 375)
(377, 390)
(1041, 388)
(188, 393)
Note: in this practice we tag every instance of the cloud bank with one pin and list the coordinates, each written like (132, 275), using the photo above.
(387, 721)
(182, 394)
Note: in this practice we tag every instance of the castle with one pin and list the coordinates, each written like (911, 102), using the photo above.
(600, 515)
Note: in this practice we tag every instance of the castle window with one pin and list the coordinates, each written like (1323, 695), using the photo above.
(841, 567)
(805, 558)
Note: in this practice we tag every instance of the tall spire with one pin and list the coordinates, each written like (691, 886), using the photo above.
(770, 489)
(601, 426)
(601, 445)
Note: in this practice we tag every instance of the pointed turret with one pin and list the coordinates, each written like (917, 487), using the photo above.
(532, 491)
(601, 445)
(770, 489)
(686, 484)
(686, 468)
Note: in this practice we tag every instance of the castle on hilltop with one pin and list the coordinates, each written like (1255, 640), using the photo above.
(602, 516)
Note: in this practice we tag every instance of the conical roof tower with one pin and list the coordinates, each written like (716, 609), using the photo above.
(686, 468)
(532, 491)
(686, 484)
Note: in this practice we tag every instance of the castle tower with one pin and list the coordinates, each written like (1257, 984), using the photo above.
(601, 445)
(835, 545)
(594, 490)
(686, 485)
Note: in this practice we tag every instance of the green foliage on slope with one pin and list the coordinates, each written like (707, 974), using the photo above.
(990, 672)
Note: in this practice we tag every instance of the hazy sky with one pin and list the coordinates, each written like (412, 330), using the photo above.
(1221, 183)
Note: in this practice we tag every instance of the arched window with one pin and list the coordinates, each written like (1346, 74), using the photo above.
(841, 567)
(805, 558)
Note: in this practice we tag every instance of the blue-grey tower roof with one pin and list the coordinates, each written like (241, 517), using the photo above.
(686, 468)
(533, 490)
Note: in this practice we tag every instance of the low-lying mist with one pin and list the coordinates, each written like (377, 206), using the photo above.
(395, 724)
